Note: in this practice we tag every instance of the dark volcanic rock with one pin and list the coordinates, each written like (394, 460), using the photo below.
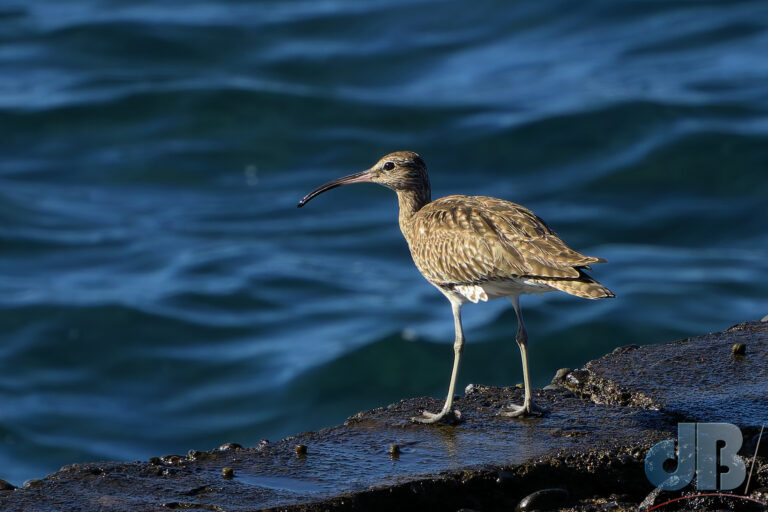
(591, 446)
(697, 379)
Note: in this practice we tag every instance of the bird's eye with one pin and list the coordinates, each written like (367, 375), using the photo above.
(389, 166)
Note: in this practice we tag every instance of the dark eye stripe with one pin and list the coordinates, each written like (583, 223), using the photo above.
(389, 166)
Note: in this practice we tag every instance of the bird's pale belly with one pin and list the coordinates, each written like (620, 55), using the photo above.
(496, 289)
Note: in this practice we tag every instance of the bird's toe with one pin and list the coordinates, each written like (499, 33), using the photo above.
(451, 417)
(527, 409)
(513, 411)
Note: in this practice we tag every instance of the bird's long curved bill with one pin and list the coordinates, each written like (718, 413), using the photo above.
(358, 177)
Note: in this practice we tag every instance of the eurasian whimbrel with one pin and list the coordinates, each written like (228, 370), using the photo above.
(476, 248)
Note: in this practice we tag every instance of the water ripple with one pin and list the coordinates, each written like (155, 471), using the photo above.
(155, 270)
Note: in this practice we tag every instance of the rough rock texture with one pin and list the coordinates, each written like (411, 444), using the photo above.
(587, 454)
(697, 379)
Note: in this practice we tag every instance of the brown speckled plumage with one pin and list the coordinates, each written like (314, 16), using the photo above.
(476, 248)
(475, 239)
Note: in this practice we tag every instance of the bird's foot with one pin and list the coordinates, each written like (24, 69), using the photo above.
(451, 416)
(527, 409)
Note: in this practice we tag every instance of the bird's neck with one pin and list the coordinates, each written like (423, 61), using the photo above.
(411, 201)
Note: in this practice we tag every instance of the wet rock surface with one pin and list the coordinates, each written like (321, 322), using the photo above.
(698, 379)
(586, 454)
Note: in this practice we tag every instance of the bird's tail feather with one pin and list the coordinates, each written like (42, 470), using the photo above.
(583, 286)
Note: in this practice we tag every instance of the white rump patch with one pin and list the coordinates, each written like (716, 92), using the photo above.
(496, 289)
(472, 292)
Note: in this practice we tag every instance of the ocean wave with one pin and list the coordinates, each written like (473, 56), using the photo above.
(155, 270)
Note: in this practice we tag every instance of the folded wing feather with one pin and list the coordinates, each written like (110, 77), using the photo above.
(471, 239)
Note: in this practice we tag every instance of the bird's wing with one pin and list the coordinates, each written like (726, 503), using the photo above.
(470, 239)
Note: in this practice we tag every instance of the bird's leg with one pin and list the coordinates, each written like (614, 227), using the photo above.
(528, 408)
(458, 347)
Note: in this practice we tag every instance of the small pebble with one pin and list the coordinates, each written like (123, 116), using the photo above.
(560, 375)
(545, 499)
(262, 444)
(469, 389)
(739, 349)
(577, 377)
(155, 460)
(228, 473)
(765, 319)
(230, 446)
(394, 450)
(301, 450)
(519, 385)
(32, 483)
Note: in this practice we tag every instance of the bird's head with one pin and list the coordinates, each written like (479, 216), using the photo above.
(400, 171)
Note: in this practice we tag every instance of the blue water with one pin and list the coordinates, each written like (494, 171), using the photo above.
(159, 290)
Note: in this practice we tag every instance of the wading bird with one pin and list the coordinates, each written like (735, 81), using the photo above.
(476, 248)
